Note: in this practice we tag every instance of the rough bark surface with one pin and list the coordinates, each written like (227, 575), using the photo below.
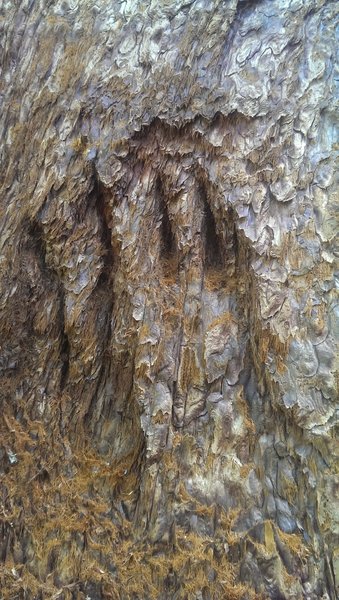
(168, 306)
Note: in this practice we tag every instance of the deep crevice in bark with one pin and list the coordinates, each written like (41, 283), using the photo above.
(105, 215)
(167, 238)
(213, 248)
(64, 355)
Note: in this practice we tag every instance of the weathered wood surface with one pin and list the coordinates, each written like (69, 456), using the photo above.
(168, 317)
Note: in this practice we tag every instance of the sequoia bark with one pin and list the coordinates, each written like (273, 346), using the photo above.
(169, 319)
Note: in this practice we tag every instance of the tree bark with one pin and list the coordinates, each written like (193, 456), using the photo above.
(169, 317)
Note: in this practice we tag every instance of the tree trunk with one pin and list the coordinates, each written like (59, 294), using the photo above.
(168, 307)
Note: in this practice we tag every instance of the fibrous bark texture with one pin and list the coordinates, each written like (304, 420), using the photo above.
(168, 306)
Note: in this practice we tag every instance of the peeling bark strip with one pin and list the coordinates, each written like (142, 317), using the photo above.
(168, 312)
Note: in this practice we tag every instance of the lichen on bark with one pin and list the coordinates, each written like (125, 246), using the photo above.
(169, 317)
